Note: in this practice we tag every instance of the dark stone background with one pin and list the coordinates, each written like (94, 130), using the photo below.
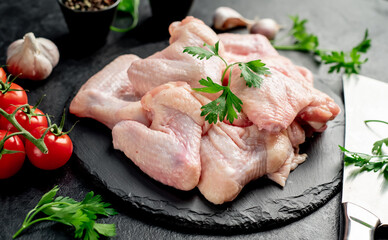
(339, 24)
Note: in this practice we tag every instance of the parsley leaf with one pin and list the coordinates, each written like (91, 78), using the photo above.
(210, 86)
(48, 197)
(224, 106)
(364, 45)
(251, 72)
(107, 230)
(80, 215)
(377, 146)
(199, 52)
(202, 53)
(350, 62)
(213, 49)
(366, 162)
(303, 40)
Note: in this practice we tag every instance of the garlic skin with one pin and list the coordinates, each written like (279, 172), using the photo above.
(225, 18)
(32, 58)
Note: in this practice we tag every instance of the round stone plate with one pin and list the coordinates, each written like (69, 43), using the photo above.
(261, 204)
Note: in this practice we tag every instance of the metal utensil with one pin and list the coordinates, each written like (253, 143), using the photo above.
(365, 194)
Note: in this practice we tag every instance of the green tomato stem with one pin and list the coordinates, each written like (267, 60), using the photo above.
(8, 137)
(2, 86)
(39, 143)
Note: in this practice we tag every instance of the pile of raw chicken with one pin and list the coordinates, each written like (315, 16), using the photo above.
(155, 116)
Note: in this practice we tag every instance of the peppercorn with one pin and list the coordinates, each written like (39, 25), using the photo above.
(88, 5)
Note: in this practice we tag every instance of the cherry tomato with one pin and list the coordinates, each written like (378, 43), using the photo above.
(60, 149)
(11, 163)
(22, 118)
(3, 76)
(13, 97)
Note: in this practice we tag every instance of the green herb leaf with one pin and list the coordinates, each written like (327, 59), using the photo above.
(232, 103)
(377, 146)
(108, 230)
(224, 106)
(93, 204)
(376, 162)
(303, 39)
(80, 215)
(91, 233)
(350, 62)
(366, 162)
(126, 6)
(385, 173)
(364, 45)
(251, 72)
(202, 53)
(213, 49)
(131, 7)
(48, 197)
(199, 52)
(210, 86)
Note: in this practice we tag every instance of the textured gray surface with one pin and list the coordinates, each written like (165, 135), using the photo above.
(131, 224)
(339, 25)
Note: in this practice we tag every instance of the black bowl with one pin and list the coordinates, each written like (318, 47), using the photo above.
(89, 29)
(166, 12)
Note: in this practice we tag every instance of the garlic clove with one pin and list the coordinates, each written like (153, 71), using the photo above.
(227, 18)
(49, 47)
(266, 26)
(32, 58)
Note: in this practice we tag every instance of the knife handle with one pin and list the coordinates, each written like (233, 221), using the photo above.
(359, 222)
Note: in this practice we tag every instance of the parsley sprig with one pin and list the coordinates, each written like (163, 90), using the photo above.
(81, 215)
(227, 103)
(349, 61)
(376, 161)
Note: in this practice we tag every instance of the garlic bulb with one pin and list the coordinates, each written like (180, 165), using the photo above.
(227, 18)
(32, 58)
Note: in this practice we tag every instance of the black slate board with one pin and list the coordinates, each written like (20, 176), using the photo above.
(262, 204)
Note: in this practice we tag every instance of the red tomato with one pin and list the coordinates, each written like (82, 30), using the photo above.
(13, 97)
(59, 150)
(11, 163)
(22, 118)
(3, 76)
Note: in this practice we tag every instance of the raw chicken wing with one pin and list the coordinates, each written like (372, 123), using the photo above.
(171, 64)
(167, 150)
(108, 96)
(233, 156)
